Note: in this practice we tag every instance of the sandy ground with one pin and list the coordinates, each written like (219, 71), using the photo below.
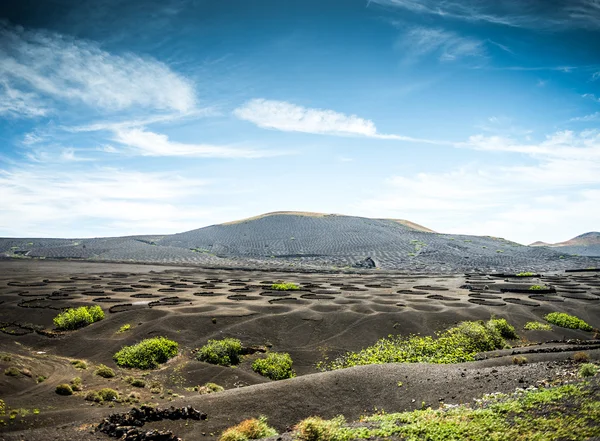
(332, 313)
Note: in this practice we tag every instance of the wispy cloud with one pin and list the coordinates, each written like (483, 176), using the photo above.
(418, 42)
(515, 13)
(288, 117)
(17, 103)
(38, 65)
(596, 76)
(148, 143)
(587, 118)
(591, 96)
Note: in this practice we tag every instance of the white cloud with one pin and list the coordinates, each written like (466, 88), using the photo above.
(591, 96)
(553, 199)
(288, 117)
(45, 64)
(446, 45)
(46, 201)
(16, 103)
(586, 118)
(148, 143)
(596, 76)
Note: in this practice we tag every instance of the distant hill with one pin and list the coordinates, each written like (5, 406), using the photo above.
(295, 240)
(587, 244)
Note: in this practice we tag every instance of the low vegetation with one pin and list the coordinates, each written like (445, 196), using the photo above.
(64, 389)
(254, 428)
(565, 320)
(75, 318)
(537, 287)
(455, 345)
(566, 412)
(79, 364)
(588, 370)
(285, 286)
(223, 352)
(12, 372)
(124, 328)
(519, 360)
(104, 371)
(147, 354)
(105, 394)
(537, 326)
(2, 407)
(525, 274)
(210, 388)
(581, 357)
(276, 366)
(76, 384)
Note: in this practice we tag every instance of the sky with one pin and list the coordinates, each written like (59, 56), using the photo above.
(154, 117)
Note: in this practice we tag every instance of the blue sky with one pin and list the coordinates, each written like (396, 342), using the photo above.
(156, 117)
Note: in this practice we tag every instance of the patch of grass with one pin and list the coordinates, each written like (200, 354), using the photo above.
(76, 384)
(455, 345)
(12, 372)
(41, 378)
(318, 429)
(124, 328)
(525, 274)
(254, 428)
(285, 286)
(519, 360)
(565, 320)
(147, 354)
(75, 318)
(79, 364)
(210, 388)
(2, 407)
(104, 371)
(138, 382)
(565, 412)
(276, 366)
(588, 370)
(64, 389)
(223, 352)
(537, 287)
(99, 396)
(537, 326)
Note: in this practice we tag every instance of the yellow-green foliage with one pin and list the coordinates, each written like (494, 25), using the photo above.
(147, 354)
(588, 370)
(254, 428)
(285, 286)
(565, 412)
(99, 396)
(565, 320)
(318, 429)
(124, 328)
(537, 326)
(104, 371)
(2, 408)
(224, 352)
(276, 366)
(76, 384)
(506, 330)
(74, 318)
(525, 274)
(454, 345)
(64, 389)
(210, 388)
(79, 364)
(537, 287)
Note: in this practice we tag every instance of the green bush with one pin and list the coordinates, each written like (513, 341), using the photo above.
(147, 354)
(74, 318)
(137, 382)
(318, 429)
(525, 274)
(12, 372)
(506, 330)
(567, 321)
(519, 360)
(76, 384)
(2, 408)
(276, 366)
(124, 328)
(224, 352)
(107, 394)
(537, 287)
(537, 326)
(588, 370)
(104, 371)
(64, 389)
(254, 428)
(285, 286)
(210, 388)
(455, 345)
(79, 364)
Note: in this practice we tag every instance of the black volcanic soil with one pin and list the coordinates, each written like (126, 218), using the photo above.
(332, 313)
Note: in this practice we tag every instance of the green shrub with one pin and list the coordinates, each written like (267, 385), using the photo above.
(276, 366)
(76, 384)
(588, 370)
(285, 286)
(519, 360)
(124, 328)
(254, 428)
(581, 357)
(210, 388)
(41, 378)
(107, 394)
(74, 318)
(318, 429)
(537, 287)
(138, 382)
(506, 330)
(147, 354)
(104, 371)
(537, 326)
(567, 321)
(12, 371)
(224, 352)
(455, 345)
(93, 396)
(2, 408)
(79, 364)
(64, 389)
(525, 274)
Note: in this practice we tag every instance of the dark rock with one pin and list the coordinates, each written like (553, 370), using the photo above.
(366, 263)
